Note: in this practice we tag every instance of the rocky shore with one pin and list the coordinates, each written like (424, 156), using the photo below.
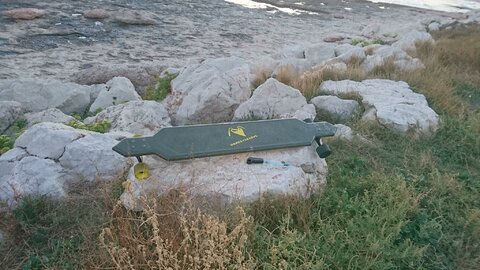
(64, 59)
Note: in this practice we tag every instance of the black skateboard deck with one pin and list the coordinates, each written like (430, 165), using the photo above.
(177, 143)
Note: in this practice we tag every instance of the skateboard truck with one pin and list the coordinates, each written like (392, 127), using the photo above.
(141, 170)
(323, 150)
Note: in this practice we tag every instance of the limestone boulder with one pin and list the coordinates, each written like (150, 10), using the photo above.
(379, 55)
(409, 40)
(354, 53)
(47, 140)
(318, 53)
(117, 91)
(92, 159)
(344, 48)
(140, 75)
(137, 117)
(273, 99)
(52, 115)
(230, 178)
(10, 111)
(292, 51)
(37, 95)
(31, 176)
(52, 159)
(292, 66)
(390, 103)
(210, 92)
(337, 109)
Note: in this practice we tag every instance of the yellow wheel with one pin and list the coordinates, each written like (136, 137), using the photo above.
(141, 171)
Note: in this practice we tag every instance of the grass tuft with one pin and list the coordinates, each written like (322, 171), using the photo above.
(161, 89)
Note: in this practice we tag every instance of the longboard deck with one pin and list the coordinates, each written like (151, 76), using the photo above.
(176, 143)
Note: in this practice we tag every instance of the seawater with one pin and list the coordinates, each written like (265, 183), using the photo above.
(441, 5)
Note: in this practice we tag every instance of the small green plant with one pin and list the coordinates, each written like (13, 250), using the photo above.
(6, 143)
(100, 127)
(366, 42)
(161, 88)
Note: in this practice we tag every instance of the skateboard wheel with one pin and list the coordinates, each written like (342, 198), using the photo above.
(323, 151)
(141, 171)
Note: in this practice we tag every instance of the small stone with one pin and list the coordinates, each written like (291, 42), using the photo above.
(24, 13)
(333, 39)
(96, 14)
(338, 16)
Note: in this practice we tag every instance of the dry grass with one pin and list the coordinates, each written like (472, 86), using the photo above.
(176, 235)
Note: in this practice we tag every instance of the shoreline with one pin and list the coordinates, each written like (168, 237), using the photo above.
(64, 43)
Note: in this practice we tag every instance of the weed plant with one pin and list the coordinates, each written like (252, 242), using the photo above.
(161, 89)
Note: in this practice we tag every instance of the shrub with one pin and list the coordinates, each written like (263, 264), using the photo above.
(161, 88)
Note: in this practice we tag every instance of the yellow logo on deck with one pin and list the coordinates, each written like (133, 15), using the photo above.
(240, 131)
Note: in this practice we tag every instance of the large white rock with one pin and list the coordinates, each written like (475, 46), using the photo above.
(292, 51)
(354, 53)
(320, 52)
(117, 91)
(50, 159)
(408, 40)
(137, 117)
(47, 140)
(294, 66)
(392, 104)
(38, 95)
(52, 115)
(336, 108)
(381, 54)
(344, 48)
(273, 99)
(91, 158)
(10, 111)
(31, 176)
(230, 178)
(211, 91)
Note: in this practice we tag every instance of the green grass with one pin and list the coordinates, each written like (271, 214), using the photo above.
(161, 88)
(8, 140)
(367, 42)
(100, 127)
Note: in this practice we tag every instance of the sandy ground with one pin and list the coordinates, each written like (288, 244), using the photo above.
(63, 42)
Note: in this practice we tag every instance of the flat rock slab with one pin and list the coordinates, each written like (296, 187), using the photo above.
(391, 103)
(137, 117)
(229, 178)
(37, 95)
